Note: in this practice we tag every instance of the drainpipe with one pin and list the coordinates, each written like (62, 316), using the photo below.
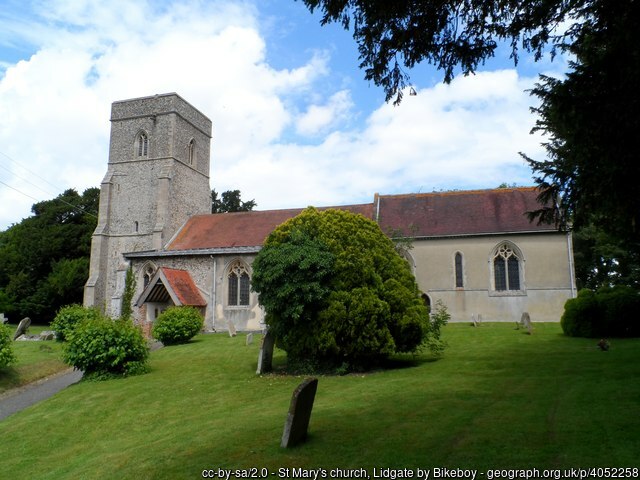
(572, 273)
(213, 295)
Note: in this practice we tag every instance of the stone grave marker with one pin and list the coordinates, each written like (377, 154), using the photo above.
(525, 322)
(47, 335)
(232, 328)
(479, 319)
(3, 319)
(297, 423)
(249, 339)
(22, 327)
(474, 322)
(265, 357)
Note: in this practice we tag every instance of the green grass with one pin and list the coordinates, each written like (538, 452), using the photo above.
(36, 360)
(498, 398)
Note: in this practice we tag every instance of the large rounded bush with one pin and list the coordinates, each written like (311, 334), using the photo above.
(177, 325)
(580, 317)
(7, 357)
(104, 347)
(337, 293)
(69, 317)
(609, 312)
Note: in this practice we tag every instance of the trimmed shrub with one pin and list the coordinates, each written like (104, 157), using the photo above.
(177, 325)
(609, 312)
(103, 348)
(69, 317)
(7, 357)
(580, 315)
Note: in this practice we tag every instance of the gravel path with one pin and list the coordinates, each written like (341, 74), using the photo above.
(21, 398)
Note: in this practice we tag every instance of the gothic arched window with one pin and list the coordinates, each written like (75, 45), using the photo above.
(459, 273)
(507, 268)
(142, 145)
(239, 285)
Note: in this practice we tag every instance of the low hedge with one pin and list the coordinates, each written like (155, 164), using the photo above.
(608, 312)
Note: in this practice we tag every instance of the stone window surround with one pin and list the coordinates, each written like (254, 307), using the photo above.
(517, 253)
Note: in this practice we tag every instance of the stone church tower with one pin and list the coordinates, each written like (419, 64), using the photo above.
(157, 177)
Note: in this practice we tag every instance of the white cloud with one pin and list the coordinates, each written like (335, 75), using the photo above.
(54, 110)
(318, 118)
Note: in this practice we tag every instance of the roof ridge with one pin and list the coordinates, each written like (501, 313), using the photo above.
(459, 192)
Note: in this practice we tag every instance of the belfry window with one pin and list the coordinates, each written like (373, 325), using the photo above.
(192, 151)
(506, 269)
(239, 285)
(142, 145)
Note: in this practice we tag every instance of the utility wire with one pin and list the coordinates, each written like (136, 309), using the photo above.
(75, 207)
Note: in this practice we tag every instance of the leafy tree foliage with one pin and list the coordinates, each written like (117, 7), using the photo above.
(336, 292)
(393, 37)
(44, 259)
(230, 202)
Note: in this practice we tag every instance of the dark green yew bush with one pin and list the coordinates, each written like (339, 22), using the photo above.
(609, 312)
(69, 317)
(177, 325)
(103, 348)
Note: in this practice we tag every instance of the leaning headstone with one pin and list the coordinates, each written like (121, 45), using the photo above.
(473, 320)
(297, 423)
(265, 357)
(3, 319)
(249, 339)
(22, 327)
(232, 328)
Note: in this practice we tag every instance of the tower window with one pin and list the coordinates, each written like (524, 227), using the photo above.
(192, 151)
(142, 144)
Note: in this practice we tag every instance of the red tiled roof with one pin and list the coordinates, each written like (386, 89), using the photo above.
(240, 229)
(183, 287)
(461, 213)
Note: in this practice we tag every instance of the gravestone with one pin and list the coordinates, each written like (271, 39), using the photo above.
(47, 335)
(3, 319)
(232, 328)
(249, 339)
(473, 320)
(265, 357)
(525, 322)
(23, 326)
(297, 423)
(479, 319)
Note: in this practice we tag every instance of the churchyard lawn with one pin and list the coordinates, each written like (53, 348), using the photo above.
(36, 360)
(498, 399)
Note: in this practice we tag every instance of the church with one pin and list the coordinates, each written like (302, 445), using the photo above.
(476, 251)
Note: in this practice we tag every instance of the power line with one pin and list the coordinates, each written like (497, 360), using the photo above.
(75, 207)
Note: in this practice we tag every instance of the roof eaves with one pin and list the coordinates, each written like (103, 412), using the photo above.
(194, 252)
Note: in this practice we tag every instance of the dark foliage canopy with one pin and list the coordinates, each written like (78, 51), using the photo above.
(453, 35)
(230, 201)
(44, 259)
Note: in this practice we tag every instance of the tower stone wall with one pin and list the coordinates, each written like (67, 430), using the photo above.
(157, 177)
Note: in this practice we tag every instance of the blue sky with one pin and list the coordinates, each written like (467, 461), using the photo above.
(294, 121)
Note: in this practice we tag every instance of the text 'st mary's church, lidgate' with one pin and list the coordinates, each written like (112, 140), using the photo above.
(474, 250)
